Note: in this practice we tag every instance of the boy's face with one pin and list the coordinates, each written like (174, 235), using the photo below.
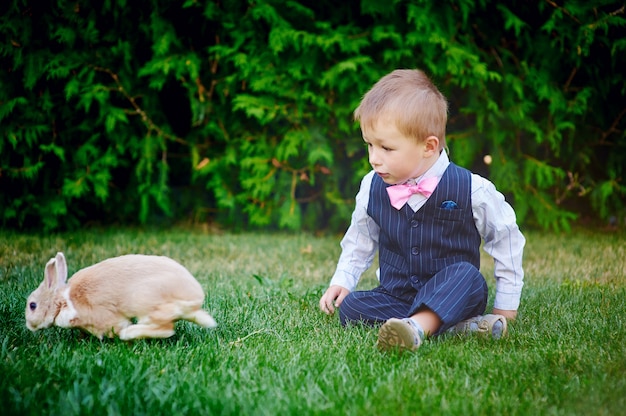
(396, 157)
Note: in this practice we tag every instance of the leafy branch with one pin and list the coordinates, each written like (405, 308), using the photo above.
(145, 118)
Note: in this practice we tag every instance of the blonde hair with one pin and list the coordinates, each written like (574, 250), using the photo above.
(410, 99)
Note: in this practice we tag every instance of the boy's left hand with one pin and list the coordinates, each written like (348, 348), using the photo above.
(509, 315)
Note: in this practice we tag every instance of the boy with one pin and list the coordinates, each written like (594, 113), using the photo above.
(426, 218)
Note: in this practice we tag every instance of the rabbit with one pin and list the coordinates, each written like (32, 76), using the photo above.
(131, 296)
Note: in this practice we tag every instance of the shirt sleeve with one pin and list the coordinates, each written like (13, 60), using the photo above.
(360, 243)
(496, 223)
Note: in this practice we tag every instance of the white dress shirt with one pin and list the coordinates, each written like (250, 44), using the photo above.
(495, 221)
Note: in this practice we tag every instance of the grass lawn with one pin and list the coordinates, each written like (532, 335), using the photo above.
(275, 353)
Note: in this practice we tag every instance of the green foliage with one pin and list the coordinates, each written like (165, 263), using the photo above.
(240, 112)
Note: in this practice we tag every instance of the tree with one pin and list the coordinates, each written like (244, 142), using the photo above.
(240, 112)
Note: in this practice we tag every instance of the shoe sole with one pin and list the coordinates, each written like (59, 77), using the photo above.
(396, 334)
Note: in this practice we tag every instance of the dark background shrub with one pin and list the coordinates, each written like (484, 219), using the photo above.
(240, 112)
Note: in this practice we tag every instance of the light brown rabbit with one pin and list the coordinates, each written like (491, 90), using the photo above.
(131, 296)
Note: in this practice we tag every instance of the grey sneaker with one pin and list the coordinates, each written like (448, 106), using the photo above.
(401, 334)
(489, 325)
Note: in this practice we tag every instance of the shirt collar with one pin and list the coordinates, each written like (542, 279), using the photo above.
(436, 170)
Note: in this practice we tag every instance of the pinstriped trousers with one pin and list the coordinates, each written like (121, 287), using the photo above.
(455, 293)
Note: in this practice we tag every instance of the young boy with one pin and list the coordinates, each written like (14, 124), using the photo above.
(426, 218)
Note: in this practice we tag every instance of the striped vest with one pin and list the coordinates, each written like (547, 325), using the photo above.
(413, 246)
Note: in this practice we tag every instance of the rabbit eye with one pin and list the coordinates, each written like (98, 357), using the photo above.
(32, 306)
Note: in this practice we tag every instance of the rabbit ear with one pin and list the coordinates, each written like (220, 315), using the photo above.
(56, 272)
(61, 269)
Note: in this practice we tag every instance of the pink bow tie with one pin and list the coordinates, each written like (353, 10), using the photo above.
(400, 194)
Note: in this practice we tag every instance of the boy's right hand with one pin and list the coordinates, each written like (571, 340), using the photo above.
(332, 299)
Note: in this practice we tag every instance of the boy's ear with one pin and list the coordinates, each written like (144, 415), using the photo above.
(431, 145)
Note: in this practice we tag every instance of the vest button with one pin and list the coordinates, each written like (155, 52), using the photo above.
(414, 223)
(414, 279)
(415, 251)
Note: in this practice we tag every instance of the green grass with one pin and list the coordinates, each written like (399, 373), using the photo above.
(275, 353)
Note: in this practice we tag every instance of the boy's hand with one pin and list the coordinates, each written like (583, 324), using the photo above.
(332, 299)
(509, 315)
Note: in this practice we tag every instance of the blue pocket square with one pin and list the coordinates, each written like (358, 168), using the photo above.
(449, 205)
